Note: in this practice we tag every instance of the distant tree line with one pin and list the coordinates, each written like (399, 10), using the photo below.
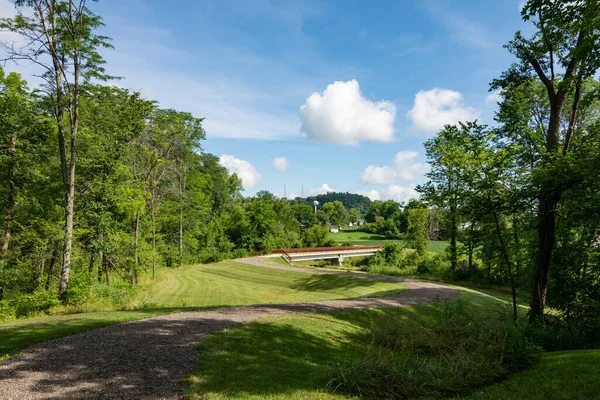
(359, 202)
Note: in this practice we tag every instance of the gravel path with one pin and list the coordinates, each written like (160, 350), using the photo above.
(146, 359)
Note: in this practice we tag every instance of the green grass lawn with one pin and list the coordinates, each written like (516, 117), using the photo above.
(290, 356)
(190, 288)
(229, 283)
(363, 239)
(560, 375)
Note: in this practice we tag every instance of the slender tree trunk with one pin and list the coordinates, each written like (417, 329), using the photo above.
(106, 271)
(153, 217)
(53, 258)
(91, 268)
(70, 183)
(470, 249)
(453, 248)
(513, 288)
(10, 211)
(100, 265)
(180, 232)
(40, 277)
(136, 241)
(136, 238)
(516, 238)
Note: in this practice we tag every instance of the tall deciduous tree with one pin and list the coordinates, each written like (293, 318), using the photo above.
(561, 54)
(62, 40)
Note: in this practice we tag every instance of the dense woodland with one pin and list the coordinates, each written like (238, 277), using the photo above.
(101, 185)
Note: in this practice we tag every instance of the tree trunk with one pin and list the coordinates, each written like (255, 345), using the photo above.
(106, 271)
(70, 183)
(180, 232)
(136, 238)
(53, 258)
(547, 233)
(516, 238)
(153, 217)
(511, 276)
(453, 249)
(100, 265)
(91, 268)
(10, 211)
(136, 241)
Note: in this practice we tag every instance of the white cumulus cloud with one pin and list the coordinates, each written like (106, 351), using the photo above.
(399, 193)
(325, 188)
(342, 115)
(245, 171)
(494, 97)
(404, 168)
(392, 192)
(437, 107)
(371, 194)
(280, 163)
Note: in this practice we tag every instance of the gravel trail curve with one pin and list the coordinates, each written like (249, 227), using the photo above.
(146, 359)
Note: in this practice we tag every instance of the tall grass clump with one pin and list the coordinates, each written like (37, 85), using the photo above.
(454, 354)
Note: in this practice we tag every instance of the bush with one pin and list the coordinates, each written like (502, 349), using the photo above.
(316, 236)
(454, 354)
(411, 259)
(25, 305)
(392, 252)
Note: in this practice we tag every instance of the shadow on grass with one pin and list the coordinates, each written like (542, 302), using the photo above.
(141, 359)
(19, 334)
(268, 359)
(285, 358)
(321, 283)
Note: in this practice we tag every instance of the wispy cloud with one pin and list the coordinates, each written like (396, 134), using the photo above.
(461, 28)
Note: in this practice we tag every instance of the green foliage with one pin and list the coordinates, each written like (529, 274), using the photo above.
(417, 230)
(25, 305)
(392, 253)
(457, 352)
(336, 213)
(316, 236)
(349, 200)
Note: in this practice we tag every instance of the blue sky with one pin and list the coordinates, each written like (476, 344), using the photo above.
(375, 79)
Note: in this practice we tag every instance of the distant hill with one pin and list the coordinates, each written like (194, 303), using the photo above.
(350, 200)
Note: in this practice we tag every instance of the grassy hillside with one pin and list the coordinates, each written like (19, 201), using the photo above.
(560, 375)
(230, 283)
(364, 238)
(291, 357)
(189, 288)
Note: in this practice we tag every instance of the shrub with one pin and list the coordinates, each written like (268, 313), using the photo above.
(411, 259)
(454, 354)
(377, 259)
(24, 305)
(392, 252)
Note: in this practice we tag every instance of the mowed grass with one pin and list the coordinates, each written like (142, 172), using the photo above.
(367, 239)
(191, 288)
(560, 375)
(229, 283)
(290, 357)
